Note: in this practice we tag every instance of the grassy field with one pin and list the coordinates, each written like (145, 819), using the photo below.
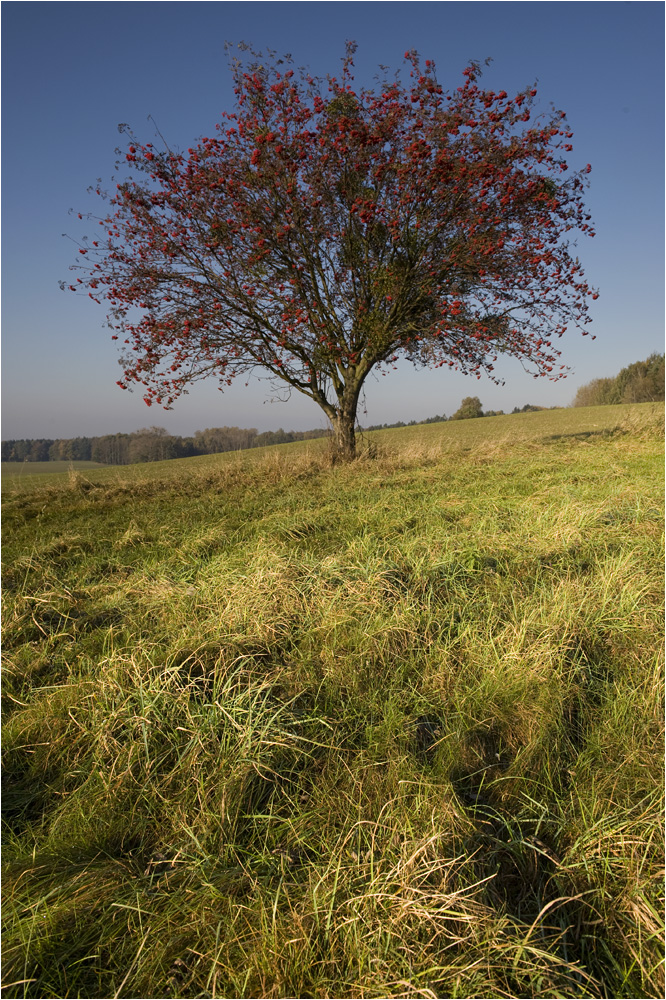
(11, 471)
(276, 728)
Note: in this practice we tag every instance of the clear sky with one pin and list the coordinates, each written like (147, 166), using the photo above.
(72, 71)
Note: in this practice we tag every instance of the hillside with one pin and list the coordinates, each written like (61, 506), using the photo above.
(277, 728)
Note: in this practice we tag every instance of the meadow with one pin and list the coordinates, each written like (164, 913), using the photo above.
(17, 470)
(277, 727)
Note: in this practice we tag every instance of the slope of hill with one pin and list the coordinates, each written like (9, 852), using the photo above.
(277, 728)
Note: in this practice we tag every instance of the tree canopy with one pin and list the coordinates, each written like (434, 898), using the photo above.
(469, 408)
(326, 229)
(641, 382)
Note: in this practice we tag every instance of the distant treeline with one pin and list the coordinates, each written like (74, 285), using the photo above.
(151, 444)
(642, 382)
(469, 408)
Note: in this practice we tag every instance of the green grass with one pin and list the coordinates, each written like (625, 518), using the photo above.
(276, 728)
(12, 471)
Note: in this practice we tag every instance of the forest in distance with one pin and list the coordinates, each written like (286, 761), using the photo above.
(640, 382)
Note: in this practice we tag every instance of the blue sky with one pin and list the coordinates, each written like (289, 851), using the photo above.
(72, 71)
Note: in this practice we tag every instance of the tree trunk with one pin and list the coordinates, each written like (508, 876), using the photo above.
(343, 435)
(343, 417)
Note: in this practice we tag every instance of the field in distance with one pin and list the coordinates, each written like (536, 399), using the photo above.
(280, 728)
(17, 469)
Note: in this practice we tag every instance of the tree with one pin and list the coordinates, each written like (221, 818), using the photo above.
(326, 230)
(39, 450)
(598, 392)
(641, 382)
(151, 444)
(58, 452)
(217, 439)
(81, 449)
(111, 449)
(470, 407)
(21, 450)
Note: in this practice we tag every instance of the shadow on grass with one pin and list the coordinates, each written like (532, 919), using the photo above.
(604, 434)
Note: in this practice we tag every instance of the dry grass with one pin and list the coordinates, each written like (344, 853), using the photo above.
(275, 728)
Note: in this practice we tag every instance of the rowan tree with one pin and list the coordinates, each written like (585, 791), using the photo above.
(325, 230)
